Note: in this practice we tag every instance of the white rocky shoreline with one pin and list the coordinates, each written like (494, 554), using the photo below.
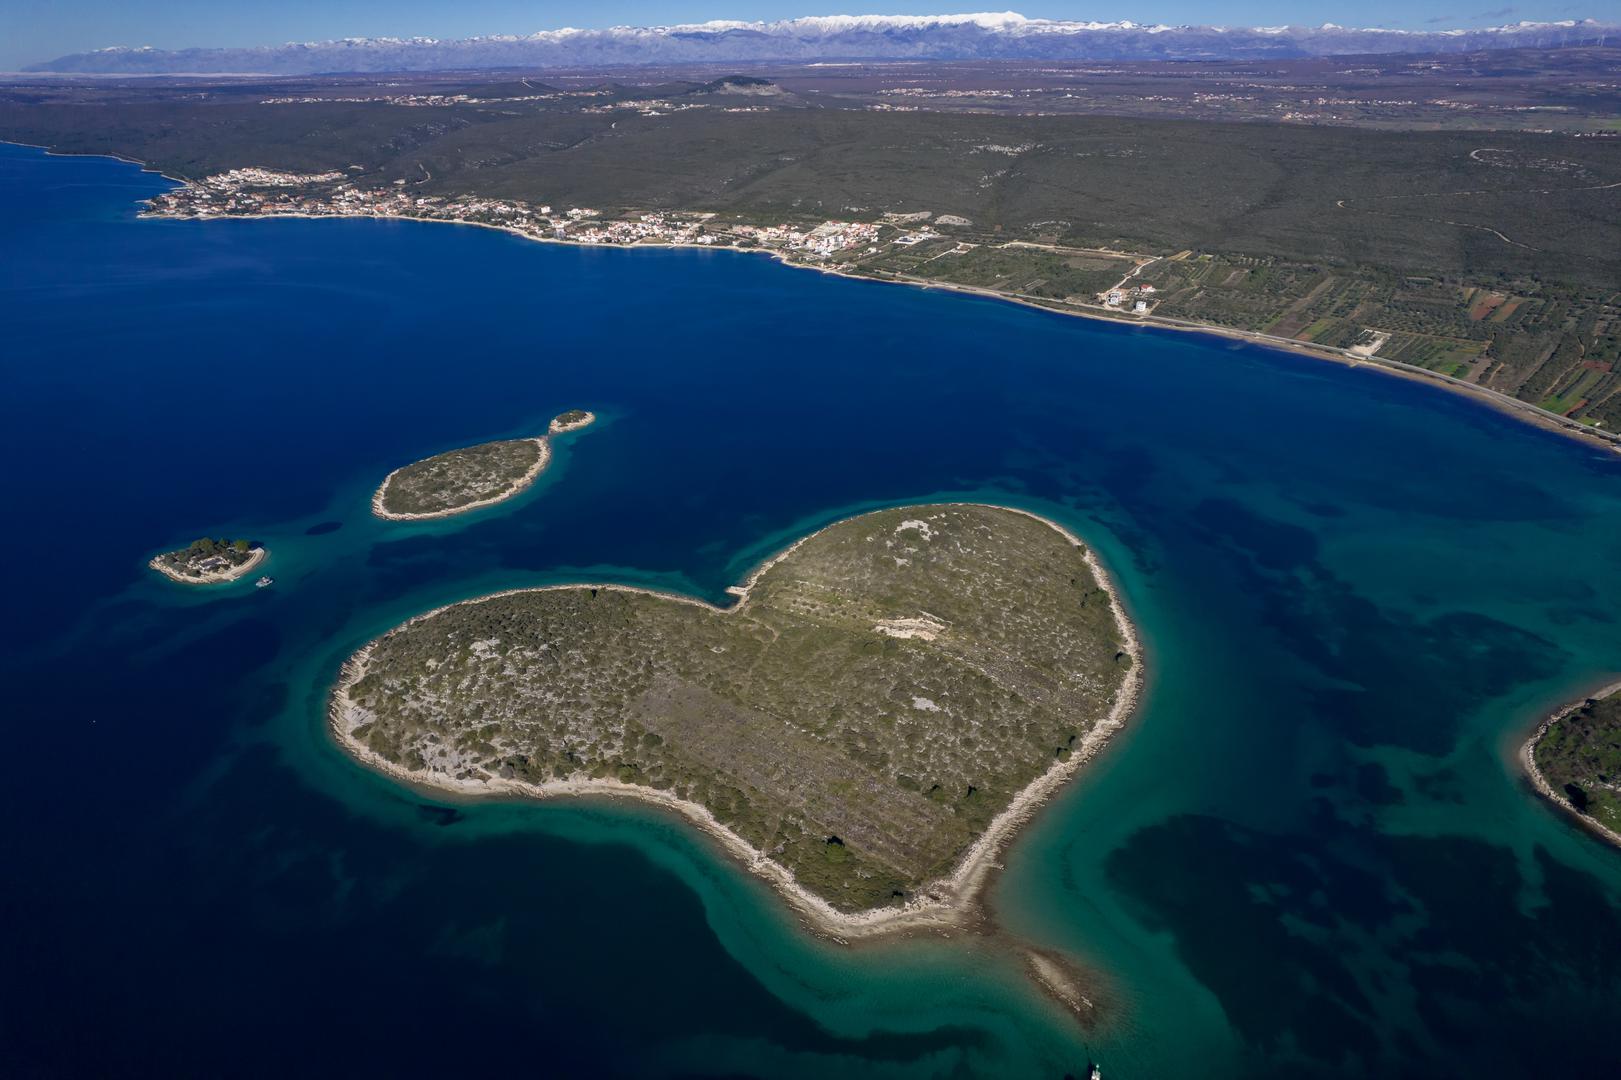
(1528, 762)
(380, 496)
(212, 577)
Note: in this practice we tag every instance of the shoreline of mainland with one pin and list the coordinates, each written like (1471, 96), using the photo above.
(1528, 763)
(213, 577)
(1513, 407)
(949, 903)
(518, 487)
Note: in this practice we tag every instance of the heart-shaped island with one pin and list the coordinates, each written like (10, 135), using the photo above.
(866, 726)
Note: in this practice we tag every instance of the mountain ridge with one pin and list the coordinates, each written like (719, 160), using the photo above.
(971, 36)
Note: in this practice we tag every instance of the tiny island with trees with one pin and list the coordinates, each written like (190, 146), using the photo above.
(210, 561)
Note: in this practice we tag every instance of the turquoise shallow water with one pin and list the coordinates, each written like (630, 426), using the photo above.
(1311, 854)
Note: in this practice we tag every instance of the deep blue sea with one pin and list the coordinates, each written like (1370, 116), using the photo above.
(1310, 855)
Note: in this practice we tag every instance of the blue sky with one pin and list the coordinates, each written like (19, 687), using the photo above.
(33, 30)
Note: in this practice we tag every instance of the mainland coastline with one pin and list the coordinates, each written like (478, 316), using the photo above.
(949, 903)
(1524, 411)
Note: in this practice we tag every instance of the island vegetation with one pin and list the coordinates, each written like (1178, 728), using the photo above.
(573, 420)
(460, 480)
(864, 727)
(1575, 760)
(471, 477)
(210, 561)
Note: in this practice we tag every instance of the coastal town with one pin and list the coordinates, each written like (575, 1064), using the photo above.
(899, 246)
(260, 192)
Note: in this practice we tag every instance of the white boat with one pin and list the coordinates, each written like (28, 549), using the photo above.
(263, 582)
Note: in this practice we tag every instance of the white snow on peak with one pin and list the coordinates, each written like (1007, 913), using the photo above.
(988, 20)
(814, 37)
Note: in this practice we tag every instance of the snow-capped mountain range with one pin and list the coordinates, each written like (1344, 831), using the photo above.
(998, 35)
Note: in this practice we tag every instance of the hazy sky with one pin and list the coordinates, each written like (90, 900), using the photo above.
(32, 30)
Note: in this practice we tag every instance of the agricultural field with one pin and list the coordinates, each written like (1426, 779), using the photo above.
(1554, 346)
